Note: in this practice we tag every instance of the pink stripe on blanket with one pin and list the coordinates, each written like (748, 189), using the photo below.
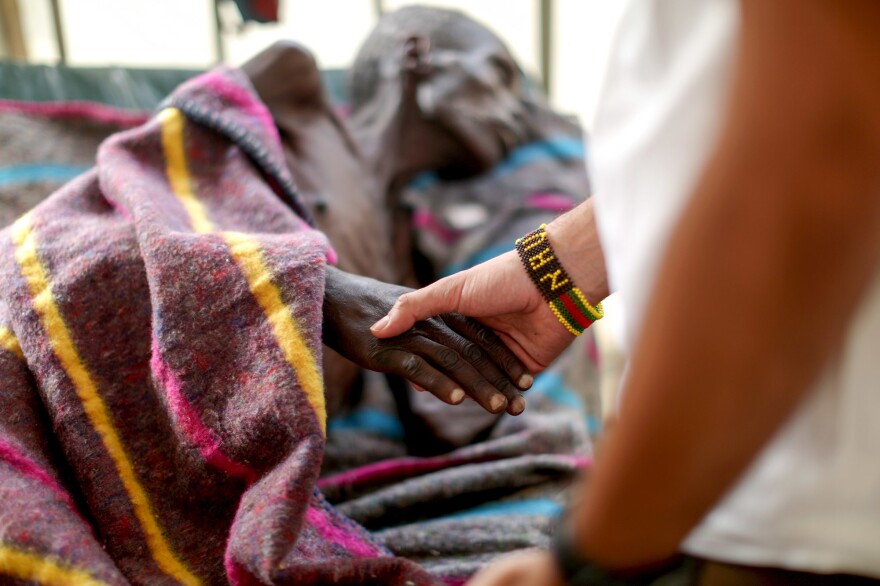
(91, 110)
(31, 469)
(325, 527)
(580, 461)
(118, 208)
(389, 470)
(332, 256)
(554, 202)
(204, 438)
(240, 98)
(425, 220)
(236, 575)
(385, 470)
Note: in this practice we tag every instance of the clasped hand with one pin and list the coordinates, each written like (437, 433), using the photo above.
(450, 356)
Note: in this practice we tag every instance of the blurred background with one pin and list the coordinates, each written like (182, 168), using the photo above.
(562, 43)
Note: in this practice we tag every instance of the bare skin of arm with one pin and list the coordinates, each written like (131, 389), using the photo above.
(519, 316)
(759, 283)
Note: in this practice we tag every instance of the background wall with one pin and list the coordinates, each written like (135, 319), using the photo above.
(180, 33)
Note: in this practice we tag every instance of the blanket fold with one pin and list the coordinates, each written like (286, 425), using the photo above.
(164, 416)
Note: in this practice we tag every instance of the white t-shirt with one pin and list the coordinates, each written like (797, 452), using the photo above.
(811, 501)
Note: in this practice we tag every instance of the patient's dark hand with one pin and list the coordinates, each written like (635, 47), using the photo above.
(450, 356)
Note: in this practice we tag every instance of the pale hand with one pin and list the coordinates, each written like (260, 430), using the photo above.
(499, 294)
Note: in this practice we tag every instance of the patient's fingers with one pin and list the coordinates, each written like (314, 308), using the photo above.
(482, 382)
(496, 349)
(478, 372)
(417, 371)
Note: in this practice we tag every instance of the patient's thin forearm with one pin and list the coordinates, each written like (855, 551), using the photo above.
(759, 283)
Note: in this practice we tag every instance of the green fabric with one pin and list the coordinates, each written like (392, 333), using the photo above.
(134, 89)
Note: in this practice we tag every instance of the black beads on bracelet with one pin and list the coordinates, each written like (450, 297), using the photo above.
(566, 301)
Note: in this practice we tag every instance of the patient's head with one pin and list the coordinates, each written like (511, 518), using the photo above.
(459, 74)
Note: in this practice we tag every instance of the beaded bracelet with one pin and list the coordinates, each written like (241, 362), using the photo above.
(566, 301)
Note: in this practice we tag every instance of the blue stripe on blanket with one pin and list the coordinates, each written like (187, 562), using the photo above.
(561, 148)
(543, 507)
(424, 180)
(552, 386)
(477, 258)
(36, 172)
(547, 384)
(594, 424)
(369, 421)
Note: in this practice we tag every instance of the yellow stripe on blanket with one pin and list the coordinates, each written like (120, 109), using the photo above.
(25, 565)
(249, 257)
(43, 299)
(172, 122)
(9, 342)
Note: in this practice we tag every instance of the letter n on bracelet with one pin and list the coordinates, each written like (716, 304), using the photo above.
(566, 301)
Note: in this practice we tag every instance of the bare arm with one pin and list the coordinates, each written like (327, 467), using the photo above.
(760, 280)
(520, 316)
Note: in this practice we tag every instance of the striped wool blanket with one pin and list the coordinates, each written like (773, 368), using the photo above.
(43, 145)
(163, 413)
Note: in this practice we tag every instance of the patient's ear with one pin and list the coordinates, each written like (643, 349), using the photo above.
(286, 75)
